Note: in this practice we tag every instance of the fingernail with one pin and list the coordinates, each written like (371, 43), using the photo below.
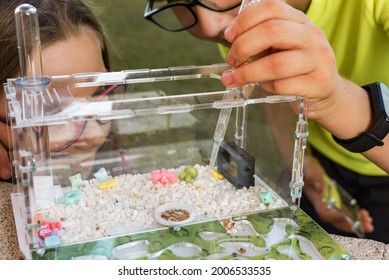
(227, 78)
(230, 59)
(230, 34)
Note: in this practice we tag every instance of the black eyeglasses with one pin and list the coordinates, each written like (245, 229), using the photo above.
(175, 15)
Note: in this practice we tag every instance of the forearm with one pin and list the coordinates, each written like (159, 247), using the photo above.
(378, 155)
(349, 114)
(345, 113)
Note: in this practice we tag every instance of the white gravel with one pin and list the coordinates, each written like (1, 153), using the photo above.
(130, 205)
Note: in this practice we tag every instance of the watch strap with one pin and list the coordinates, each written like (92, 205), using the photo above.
(372, 138)
(362, 143)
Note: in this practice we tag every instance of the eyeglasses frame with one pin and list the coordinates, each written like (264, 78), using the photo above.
(148, 14)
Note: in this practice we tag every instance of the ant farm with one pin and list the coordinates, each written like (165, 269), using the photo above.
(159, 164)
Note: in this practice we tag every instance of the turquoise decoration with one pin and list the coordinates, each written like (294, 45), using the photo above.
(76, 180)
(52, 240)
(71, 197)
(101, 175)
(266, 197)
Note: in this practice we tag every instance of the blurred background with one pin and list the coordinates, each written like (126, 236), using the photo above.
(135, 42)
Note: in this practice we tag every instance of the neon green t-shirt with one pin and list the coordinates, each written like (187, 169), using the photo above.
(358, 31)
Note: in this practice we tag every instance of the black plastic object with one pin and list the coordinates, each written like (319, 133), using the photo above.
(236, 165)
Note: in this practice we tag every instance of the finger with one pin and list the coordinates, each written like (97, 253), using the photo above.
(272, 68)
(4, 135)
(5, 165)
(275, 35)
(366, 221)
(297, 85)
(261, 12)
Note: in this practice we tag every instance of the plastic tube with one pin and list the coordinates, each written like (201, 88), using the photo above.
(29, 45)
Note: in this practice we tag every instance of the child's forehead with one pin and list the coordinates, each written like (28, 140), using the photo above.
(73, 54)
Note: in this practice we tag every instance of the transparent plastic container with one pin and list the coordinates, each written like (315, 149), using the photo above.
(110, 161)
(116, 166)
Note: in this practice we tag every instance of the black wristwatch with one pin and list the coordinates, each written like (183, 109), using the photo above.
(379, 100)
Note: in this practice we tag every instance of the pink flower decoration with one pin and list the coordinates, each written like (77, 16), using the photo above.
(163, 176)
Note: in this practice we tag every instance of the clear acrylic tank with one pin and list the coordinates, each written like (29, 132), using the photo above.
(158, 164)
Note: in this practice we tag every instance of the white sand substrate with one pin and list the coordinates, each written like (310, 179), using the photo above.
(130, 205)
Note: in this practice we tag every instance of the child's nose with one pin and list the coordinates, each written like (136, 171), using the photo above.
(212, 23)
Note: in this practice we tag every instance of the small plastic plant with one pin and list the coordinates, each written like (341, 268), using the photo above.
(188, 175)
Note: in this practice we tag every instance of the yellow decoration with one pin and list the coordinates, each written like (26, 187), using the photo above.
(108, 184)
(217, 174)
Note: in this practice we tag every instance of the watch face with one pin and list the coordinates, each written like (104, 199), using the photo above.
(385, 98)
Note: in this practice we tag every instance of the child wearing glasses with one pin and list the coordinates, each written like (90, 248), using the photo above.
(321, 50)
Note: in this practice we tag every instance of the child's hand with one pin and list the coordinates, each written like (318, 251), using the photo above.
(5, 168)
(275, 45)
(286, 54)
(313, 190)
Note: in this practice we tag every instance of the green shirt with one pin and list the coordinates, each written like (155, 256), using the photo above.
(358, 31)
